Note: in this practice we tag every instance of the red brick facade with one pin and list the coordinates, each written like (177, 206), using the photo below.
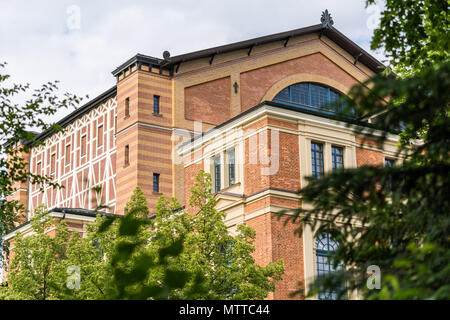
(208, 102)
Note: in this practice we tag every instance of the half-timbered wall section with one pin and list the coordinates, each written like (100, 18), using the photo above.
(81, 157)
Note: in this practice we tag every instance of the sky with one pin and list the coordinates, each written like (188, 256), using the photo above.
(79, 43)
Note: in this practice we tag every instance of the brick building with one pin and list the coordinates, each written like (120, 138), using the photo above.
(255, 114)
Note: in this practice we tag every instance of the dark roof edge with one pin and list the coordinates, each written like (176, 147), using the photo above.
(355, 50)
(286, 107)
(79, 112)
(335, 35)
(84, 212)
(241, 44)
(138, 58)
(76, 211)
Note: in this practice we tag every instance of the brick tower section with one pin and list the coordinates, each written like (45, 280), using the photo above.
(21, 191)
(143, 136)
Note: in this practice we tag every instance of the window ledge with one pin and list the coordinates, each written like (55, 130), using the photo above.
(229, 187)
(157, 193)
(157, 114)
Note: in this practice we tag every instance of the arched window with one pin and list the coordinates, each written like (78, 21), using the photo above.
(325, 245)
(310, 95)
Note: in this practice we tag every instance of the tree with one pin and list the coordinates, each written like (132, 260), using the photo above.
(56, 265)
(413, 33)
(177, 255)
(224, 261)
(171, 255)
(16, 138)
(32, 273)
(396, 218)
(124, 242)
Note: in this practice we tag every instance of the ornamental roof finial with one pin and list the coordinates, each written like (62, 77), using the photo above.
(327, 21)
(166, 55)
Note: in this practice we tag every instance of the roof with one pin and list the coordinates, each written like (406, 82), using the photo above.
(325, 28)
(335, 35)
(83, 212)
(137, 59)
(80, 112)
(75, 211)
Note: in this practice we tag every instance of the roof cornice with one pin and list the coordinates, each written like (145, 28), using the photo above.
(138, 60)
(358, 53)
(79, 112)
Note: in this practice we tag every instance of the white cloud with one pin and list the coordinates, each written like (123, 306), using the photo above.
(39, 47)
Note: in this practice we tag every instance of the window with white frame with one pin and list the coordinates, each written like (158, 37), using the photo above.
(325, 246)
(231, 166)
(216, 172)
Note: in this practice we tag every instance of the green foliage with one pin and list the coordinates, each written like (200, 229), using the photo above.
(176, 255)
(221, 260)
(16, 121)
(132, 262)
(413, 33)
(35, 257)
(42, 262)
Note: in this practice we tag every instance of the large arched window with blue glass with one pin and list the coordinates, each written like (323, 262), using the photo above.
(309, 95)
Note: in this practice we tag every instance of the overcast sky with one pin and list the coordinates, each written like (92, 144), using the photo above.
(48, 40)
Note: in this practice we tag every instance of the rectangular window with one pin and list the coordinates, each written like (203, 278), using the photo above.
(217, 173)
(53, 163)
(39, 168)
(127, 155)
(156, 182)
(337, 156)
(115, 124)
(317, 159)
(389, 163)
(231, 167)
(100, 136)
(83, 145)
(156, 104)
(127, 107)
(68, 154)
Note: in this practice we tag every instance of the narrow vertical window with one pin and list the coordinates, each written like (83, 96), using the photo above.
(39, 168)
(100, 136)
(115, 124)
(156, 104)
(317, 159)
(389, 163)
(83, 145)
(156, 182)
(337, 155)
(53, 163)
(217, 173)
(325, 246)
(127, 155)
(127, 107)
(68, 154)
(231, 167)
